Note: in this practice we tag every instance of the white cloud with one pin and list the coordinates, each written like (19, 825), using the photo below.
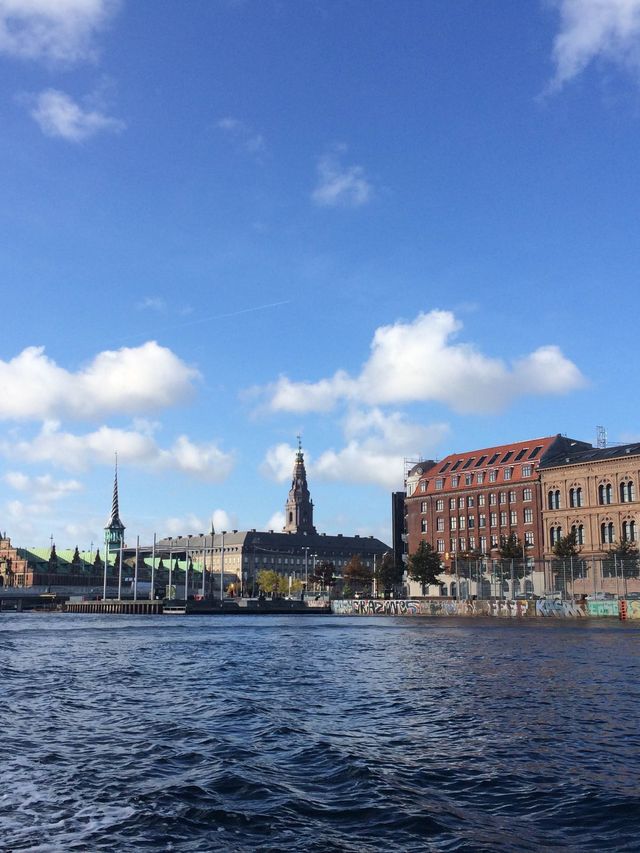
(595, 28)
(138, 448)
(417, 361)
(376, 445)
(59, 115)
(127, 381)
(152, 303)
(44, 486)
(278, 462)
(340, 186)
(243, 134)
(276, 522)
(53, 30)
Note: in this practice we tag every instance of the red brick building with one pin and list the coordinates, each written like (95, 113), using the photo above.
(465, 503)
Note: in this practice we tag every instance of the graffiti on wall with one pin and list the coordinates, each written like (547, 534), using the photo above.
(495, 608)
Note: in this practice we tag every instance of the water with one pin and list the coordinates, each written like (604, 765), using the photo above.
(317, 734)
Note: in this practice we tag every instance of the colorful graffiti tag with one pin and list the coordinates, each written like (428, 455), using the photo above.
(546, 608)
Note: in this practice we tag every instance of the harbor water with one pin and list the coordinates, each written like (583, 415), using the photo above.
(318, 734)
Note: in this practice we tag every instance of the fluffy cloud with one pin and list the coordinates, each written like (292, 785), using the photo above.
(340, 186)
(243, 135)
(417, 361)
(376, 445)
(44, 486)
(59, 115)
(52, 30)
(276, 522)
(595, 28)
(126, 381)
(135, 447)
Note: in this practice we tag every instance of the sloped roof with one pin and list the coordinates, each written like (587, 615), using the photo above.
(574, 456)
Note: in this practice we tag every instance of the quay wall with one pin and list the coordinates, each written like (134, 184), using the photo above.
(494, 608)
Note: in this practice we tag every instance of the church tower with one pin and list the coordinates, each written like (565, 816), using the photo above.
(114, 531)
(298, 512)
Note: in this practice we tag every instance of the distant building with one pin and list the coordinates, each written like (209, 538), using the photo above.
(592, 493)
(293, 552)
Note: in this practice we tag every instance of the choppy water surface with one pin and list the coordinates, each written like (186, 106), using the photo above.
(317, 734)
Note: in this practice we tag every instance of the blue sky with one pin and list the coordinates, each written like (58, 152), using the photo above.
(398, 229)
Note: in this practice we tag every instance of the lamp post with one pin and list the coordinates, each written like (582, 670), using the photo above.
(170, 567)
(306, 567)
(222, 569)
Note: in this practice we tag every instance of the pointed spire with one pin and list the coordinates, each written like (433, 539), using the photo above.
(114, 520)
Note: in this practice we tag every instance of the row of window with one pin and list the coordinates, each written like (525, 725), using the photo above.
(461, 544)
(469, 479)
(462, 522)
(607, 533)
(627, 493)
(469, 501)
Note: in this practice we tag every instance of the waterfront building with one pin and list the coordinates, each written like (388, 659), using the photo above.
(294, 552)
(467, 504)
(592, 494)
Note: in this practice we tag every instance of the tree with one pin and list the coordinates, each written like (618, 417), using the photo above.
(566, 546)
(510, 547)
(356, 575)
(424, 565)
(323, 574)
(271, 582)
(623, 559)
(388, 575)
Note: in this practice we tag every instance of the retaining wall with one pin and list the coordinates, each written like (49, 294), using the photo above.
(494, 607)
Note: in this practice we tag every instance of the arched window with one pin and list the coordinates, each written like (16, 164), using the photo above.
(575, 496)
(629, 531)
(555, 534)
(554, 499)
(423, 525)
(606, 532)
(627, 491)
(578, 533)
(605, 493)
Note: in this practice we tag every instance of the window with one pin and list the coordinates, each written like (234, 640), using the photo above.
(440, 505)
(513, 518)
(452, 503)
(503, 497)
(444, 467)
(493, 458)
(493, 499)
(452, 545)
(553, 499)
(454, 480)
(471, 522)
(507, 456)
(440, 523)
(503, 519)
(528, 538)
(462, 545)
(527, 494)
(512, 497)
(481, 500)
(494, 541)
(440, 546)
(526, 470)
(605, 495)
(535, 451)
(439, 483)
(468, 479)
(528, 515)
(468, 463)
(483, 544)
(507, 473)
(423, 485)
(482, 520)
(627, 492)
(456, 464)
(480, 478)
(472, 543)
(493, 519)
(575, 496)
(606, 532)
(493, 476)
(461, 503)
(453, 522)
(470, 500)
(462, 522)
(481, 461)
(521, 453)
(629, 531)
(555, 534)
(423, 525)
(577, 531)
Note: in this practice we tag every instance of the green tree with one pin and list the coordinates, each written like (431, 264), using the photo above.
(510, 547)
(388, 574)
(272, 583)
(357, 575)
(324, 574)
(566, 546)
(624, 559)
(424, 565)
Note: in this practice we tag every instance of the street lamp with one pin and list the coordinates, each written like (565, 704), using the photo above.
(306, 567)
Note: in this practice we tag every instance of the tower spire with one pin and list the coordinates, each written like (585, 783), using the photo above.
(299, 506)
(114, 531)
